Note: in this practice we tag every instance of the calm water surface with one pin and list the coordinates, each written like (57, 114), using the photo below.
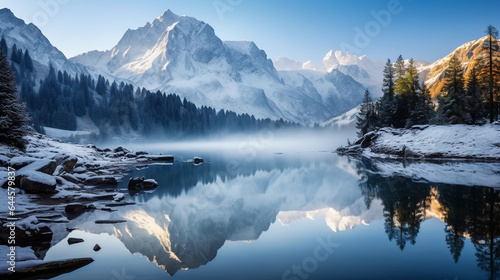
(289, 216)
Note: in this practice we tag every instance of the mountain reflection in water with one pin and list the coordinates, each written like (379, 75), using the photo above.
(198, 209)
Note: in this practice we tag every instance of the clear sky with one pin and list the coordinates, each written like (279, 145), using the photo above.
(298, 29)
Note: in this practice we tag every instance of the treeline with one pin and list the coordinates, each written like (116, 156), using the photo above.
(59, 99)
(465, 100)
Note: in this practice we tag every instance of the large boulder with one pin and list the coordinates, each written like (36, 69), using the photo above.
(20, 162)
(37, 183)
(67, 162)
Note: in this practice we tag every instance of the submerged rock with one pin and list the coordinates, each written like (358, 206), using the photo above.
(110, 221)
(101, 181)
(76, 209)
(198, 160)
(136, 185)
(163, 158)
(73, 240)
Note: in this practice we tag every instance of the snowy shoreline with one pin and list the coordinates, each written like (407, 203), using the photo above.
(430, 143)
(57, 181)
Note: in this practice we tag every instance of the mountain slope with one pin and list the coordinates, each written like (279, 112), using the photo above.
(179, 54)
(29, 37)
(433, 74)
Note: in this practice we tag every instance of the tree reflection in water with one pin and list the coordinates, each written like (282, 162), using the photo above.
(468, 212)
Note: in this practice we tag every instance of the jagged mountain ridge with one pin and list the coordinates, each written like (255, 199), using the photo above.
(363, 70)
(183, 55)
(29, 37)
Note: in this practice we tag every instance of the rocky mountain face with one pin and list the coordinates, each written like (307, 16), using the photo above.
(29, 37)
(179, 54)
(433, 74)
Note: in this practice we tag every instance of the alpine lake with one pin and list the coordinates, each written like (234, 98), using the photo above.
(293, 215)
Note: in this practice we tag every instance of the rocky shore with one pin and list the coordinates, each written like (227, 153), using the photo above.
(54, 182)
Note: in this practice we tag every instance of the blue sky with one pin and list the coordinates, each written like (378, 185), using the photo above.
(299, 29)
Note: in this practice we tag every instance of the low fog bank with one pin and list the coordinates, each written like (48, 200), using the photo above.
(268, 141)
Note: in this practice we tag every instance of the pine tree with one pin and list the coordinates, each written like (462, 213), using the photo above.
(490, 72)
(455, 108)
(27, 62)
(401, 102)
(13, 118)
(411, 91)
(3, 46)
(423, 111)
(475, 97)
(13, 55)
(366, 118)
(386, 107)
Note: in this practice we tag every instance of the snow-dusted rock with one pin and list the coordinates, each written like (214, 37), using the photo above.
(28, 232)
(37, 182)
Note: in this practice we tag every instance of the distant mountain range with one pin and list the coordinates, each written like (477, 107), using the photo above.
(182, 55)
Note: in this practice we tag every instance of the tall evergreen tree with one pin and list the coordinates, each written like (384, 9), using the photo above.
(13, 118)
(27, 62)
(475, 96)
(3, 46)
(455, 108)
(491, 72)
(366, 118)
(423, 110)
(386, 107)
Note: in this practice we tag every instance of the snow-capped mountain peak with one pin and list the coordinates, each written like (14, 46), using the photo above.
(182, 54)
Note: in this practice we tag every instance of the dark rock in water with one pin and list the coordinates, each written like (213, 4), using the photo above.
(76, 209)
(160, 158)
(97, 247)
(37, 183)
(107, 150)
(136, 185)
(47, 270)
(101, 181)
(198, 160)
(110, 221)
(73, 240)
(141, 153)
(117, 205)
